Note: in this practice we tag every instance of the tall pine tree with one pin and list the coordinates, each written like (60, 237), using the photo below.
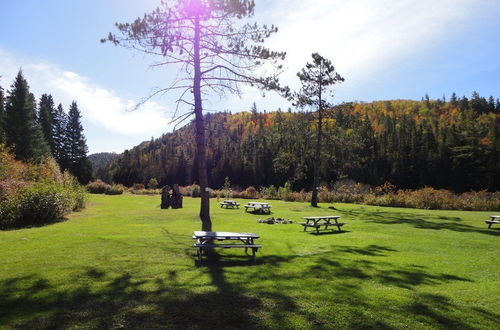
(23, 134)
(78, 162)
(317, 80)
(46, 117)
(61, 146)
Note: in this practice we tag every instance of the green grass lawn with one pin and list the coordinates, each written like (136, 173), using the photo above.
(125, 263)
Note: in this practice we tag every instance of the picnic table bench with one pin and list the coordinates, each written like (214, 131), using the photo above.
(206, 240)
(495, 219)
(229, 204)
(258, 207)
(322, 221)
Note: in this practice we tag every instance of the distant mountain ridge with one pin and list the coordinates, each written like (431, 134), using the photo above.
(100, 160)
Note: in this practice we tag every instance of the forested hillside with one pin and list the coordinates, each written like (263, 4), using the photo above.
(453, 145)
(100, 160)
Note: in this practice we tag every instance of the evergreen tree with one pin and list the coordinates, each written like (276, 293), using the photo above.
(46, 119)
(427, 101)
(23, 134)
(453, 99)
(491, 104)
(463, 103)
(78, 162)
(478, 103)
(61, 147)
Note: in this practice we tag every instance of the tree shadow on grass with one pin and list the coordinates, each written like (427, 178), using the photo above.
(370, 250)
(420, 221)
(321, 290)
(16, 226)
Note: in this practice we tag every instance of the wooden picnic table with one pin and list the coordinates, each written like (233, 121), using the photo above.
(322, 221)
(206, 240)
(495, 219)
(259, 207)
(229, 204)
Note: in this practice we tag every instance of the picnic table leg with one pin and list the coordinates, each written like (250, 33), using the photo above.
(199, 253)
(253, 255)
(337, 223)
(489, 225)
(248, 241)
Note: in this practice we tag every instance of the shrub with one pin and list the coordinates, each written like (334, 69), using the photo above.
(115, 189)
(78, 192)
(284, 192)
(138, 186)
(250, 193)
(40, 203)
(348, 191)
(269, 192)
(146, 192)
(480, 201)
(98, 187)
(192, 190)
(386, 188)
(153, 183)
(32, 194)
(301, 196)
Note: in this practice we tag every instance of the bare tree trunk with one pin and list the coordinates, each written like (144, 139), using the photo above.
(200, 134)
(317, 154)
(317, 162)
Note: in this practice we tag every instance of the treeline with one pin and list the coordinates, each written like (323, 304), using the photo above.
(452, 144)
(34, 131)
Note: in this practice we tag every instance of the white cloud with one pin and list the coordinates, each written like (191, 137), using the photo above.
(365, 36)
(99, 106)
(365, 39)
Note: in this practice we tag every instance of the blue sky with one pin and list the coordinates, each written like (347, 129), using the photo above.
(386, 49)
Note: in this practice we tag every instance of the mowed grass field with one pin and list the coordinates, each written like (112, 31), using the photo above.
(125, 263)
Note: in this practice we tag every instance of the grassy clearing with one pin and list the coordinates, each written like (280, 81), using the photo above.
(124, 262)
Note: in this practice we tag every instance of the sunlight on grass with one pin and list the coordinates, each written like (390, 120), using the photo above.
(124, 262)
